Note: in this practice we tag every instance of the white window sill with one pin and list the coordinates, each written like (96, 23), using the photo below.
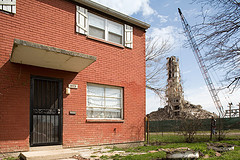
(105, 120)
(104, 41)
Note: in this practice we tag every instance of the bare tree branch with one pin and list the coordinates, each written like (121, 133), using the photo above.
(156, 51)
(219, 33)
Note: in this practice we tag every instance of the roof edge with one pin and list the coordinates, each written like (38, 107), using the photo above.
(113, 13)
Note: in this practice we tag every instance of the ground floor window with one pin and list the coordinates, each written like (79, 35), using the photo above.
(104, 102)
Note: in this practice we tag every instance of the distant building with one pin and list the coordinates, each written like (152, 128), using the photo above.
(177, 107)
(174, 92)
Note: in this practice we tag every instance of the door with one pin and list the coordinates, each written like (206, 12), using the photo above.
(45, 111)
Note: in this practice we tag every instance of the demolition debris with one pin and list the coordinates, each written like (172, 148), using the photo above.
(177, 107)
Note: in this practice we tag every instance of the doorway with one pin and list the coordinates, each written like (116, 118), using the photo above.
(45, 111)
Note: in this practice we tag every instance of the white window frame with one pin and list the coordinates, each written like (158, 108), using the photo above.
(82, 27)
(105, 86)
(106, 31)
(8, 6)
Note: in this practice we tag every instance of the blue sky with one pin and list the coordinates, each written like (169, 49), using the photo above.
(165, 23)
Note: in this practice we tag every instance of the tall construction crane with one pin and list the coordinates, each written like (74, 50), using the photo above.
(201, 64)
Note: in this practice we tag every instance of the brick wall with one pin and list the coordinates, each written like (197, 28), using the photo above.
(52, 23)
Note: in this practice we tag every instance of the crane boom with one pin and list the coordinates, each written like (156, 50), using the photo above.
(201, 64)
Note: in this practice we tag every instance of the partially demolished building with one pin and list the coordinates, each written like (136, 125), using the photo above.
(177, 107)
(174, 92)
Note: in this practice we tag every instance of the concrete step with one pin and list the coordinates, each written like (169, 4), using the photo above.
(46, 148)
(48, 154)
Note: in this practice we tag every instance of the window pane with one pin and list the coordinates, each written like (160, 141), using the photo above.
(95, 90)
(114, 38)
(95, 101)
(112, 113)
(95, 113)
(113, 102)
(113, 92)
(96, 22)
(96, 32)
(115, 28)
(104, 101)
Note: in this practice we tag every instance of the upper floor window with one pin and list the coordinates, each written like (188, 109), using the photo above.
(8, 6)
(96, 26)
(105, 29)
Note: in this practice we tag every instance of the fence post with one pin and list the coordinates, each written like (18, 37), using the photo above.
(239, 110)
(211, 130)
(147, 120)
(145, 128)
(219, 130)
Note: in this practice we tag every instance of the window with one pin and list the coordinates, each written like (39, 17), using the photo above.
(8, 5)
(176, 107)
(104, 102)
(96, 26)
(177, 113)
(105, 29)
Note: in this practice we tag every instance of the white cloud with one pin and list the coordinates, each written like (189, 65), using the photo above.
(166, 5)
(177, 1)
(169, 33)
(163, 19)
(191, 13)
(129, 7)
(176, 19)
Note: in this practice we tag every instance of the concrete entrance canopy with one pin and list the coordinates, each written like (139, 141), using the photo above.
(34, 54)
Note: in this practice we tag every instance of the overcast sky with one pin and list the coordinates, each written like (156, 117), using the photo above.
(165, 23)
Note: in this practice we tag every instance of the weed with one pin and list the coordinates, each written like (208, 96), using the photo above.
(10, 158)
(93, 156)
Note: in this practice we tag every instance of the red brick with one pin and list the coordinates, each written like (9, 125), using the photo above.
(53, 23)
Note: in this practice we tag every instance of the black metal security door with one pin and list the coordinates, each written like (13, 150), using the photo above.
(45, 111)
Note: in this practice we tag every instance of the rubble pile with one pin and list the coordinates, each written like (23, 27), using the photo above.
(189, 110)
(177, 107)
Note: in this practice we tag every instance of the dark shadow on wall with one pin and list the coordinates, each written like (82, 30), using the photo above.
(65, 5)
(15, 97)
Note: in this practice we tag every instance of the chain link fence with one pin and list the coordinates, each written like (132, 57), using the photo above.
(173, 130)
(205, 125)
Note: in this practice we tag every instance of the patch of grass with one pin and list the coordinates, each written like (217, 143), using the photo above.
(230, 155)
(200, 146)
(166, 138)
(234, 131)
(10, 158)
(93, 156)
(151, 156)
(230, 142)
(172, 137)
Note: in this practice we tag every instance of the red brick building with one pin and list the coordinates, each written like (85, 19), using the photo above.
(72, 73)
